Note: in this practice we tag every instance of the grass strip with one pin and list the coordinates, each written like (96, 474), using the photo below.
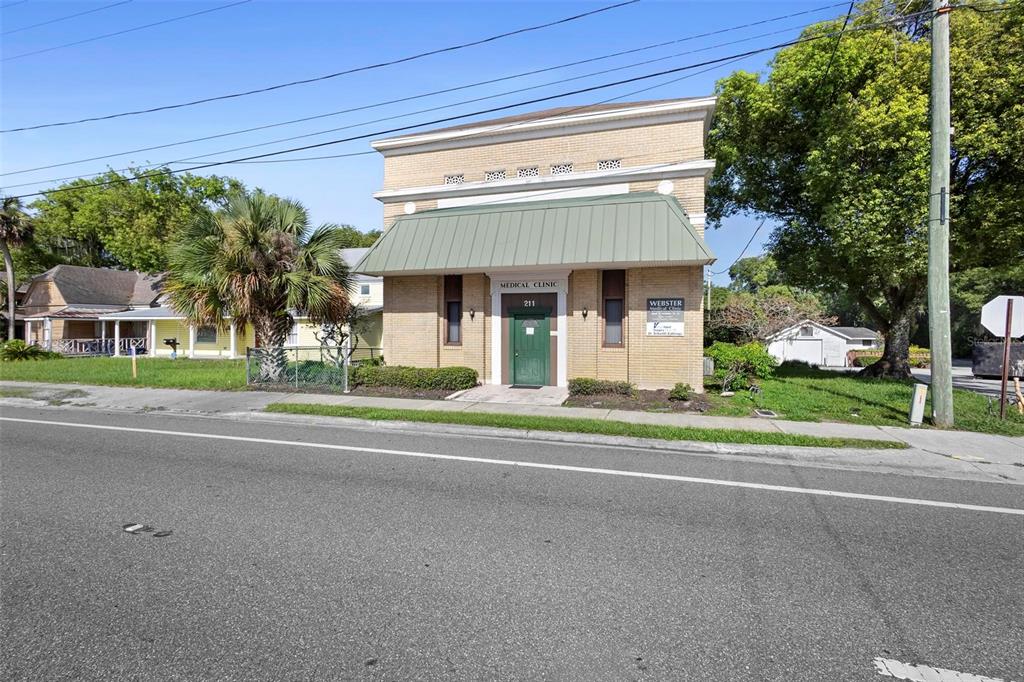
(575, 425)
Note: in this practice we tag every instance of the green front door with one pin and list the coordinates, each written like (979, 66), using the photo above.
(531, 349)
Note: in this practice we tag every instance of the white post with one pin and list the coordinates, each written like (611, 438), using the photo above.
(48, 334)
(117, 338)
(234, 341)
(152, 338)
(28, 332)
(496, 339)
(103, 335)
(191, 340)
(562, 342)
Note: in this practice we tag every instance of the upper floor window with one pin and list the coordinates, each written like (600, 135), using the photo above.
(807, 330)
(561, 168)
(491, 176)
(364, 289)
(609, 164)
(455, 179)
(528, 172)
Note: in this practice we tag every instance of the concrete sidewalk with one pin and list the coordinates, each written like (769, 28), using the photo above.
(970, 449)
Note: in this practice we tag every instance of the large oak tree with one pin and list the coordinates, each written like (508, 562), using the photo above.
(834, 145)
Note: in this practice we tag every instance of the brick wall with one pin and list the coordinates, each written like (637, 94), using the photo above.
(472, 352)
(411, 321)
(667, 142)
(648, 361)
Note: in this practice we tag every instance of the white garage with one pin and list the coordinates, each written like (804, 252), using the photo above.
(819, 345)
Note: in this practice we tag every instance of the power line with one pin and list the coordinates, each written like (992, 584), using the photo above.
(13, 4)
(65, 18)
(484, 111)
(739, 257)
(434, 92)
(279, 86)
(122, 32)
(413, 113)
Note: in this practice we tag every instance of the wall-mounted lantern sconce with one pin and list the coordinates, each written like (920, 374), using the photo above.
(472, 313)
(585, 311)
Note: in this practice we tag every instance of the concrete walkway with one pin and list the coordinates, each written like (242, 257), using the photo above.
(1002, 453)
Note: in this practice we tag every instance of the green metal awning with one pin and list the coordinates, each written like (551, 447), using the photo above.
(625, 230)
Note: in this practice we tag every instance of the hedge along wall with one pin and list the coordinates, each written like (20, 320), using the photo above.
(427, 378)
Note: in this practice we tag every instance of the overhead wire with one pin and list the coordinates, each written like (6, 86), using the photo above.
(414, 113)
(358, 69)
(124, 31)
(65, 17)
(487, 111)
(433, 93)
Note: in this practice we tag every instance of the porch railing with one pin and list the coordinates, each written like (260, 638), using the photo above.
(98, 346)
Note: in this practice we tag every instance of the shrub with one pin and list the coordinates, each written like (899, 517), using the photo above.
(735, 366)
(680, 392)
(425, 378)
(13, 351)
(586, 386)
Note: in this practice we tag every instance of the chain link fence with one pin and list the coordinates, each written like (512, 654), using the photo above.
(319, 368)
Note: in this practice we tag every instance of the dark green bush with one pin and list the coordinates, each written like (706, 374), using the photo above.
(424, 378)
(585, 386)
(16, 350)
(680, 392)
(735, 366)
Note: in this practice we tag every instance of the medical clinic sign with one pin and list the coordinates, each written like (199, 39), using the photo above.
(664, 317)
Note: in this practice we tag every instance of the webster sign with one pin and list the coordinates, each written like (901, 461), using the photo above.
(664, 317)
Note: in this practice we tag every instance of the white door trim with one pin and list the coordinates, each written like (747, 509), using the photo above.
(541, 283)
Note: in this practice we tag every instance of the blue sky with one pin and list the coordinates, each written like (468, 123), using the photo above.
(264, 42)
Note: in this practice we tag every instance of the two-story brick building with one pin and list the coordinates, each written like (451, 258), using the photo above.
(546, 246)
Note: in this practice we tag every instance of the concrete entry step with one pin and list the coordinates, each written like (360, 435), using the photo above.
(515, 395)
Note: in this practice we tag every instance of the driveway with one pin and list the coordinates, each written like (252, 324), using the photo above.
(962, 378)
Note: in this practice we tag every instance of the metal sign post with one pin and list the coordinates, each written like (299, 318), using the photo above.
(1006, 360)
(1004, 316)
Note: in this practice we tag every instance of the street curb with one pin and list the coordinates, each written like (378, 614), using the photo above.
(701, 447)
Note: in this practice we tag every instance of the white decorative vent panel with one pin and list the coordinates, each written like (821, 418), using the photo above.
(455, 179)
(491, 176)
(561, 169)
(529, 172)
(609, 164)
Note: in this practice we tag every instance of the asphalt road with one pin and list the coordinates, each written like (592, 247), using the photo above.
(296, 562)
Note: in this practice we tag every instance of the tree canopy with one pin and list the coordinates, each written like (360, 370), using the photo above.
(126, 222)
(834, 145)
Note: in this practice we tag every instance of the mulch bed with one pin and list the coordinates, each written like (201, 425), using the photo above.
(645, 401)
(399, 392)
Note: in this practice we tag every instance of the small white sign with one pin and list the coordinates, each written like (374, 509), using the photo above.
(529, 331)
(993, 316)
(664, 329)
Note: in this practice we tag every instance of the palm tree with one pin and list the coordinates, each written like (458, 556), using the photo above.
(15, 230)
(257, 260)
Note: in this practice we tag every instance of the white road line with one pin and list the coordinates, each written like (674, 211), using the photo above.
(926, 673)
(534, 465)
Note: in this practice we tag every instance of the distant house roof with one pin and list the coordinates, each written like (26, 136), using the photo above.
(352, 258)
(855, 332)
(76, 312)
(102, 286)
(851, 333)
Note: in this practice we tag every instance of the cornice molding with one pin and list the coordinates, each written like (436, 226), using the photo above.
(566, 124)
(699, 168)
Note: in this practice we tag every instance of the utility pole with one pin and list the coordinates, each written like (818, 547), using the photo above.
(938, 222)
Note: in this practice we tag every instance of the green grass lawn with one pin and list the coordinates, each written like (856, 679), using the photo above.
(574, 425)
(153, 372)
(806, 394)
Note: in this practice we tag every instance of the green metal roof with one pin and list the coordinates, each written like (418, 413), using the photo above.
(635, 229)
